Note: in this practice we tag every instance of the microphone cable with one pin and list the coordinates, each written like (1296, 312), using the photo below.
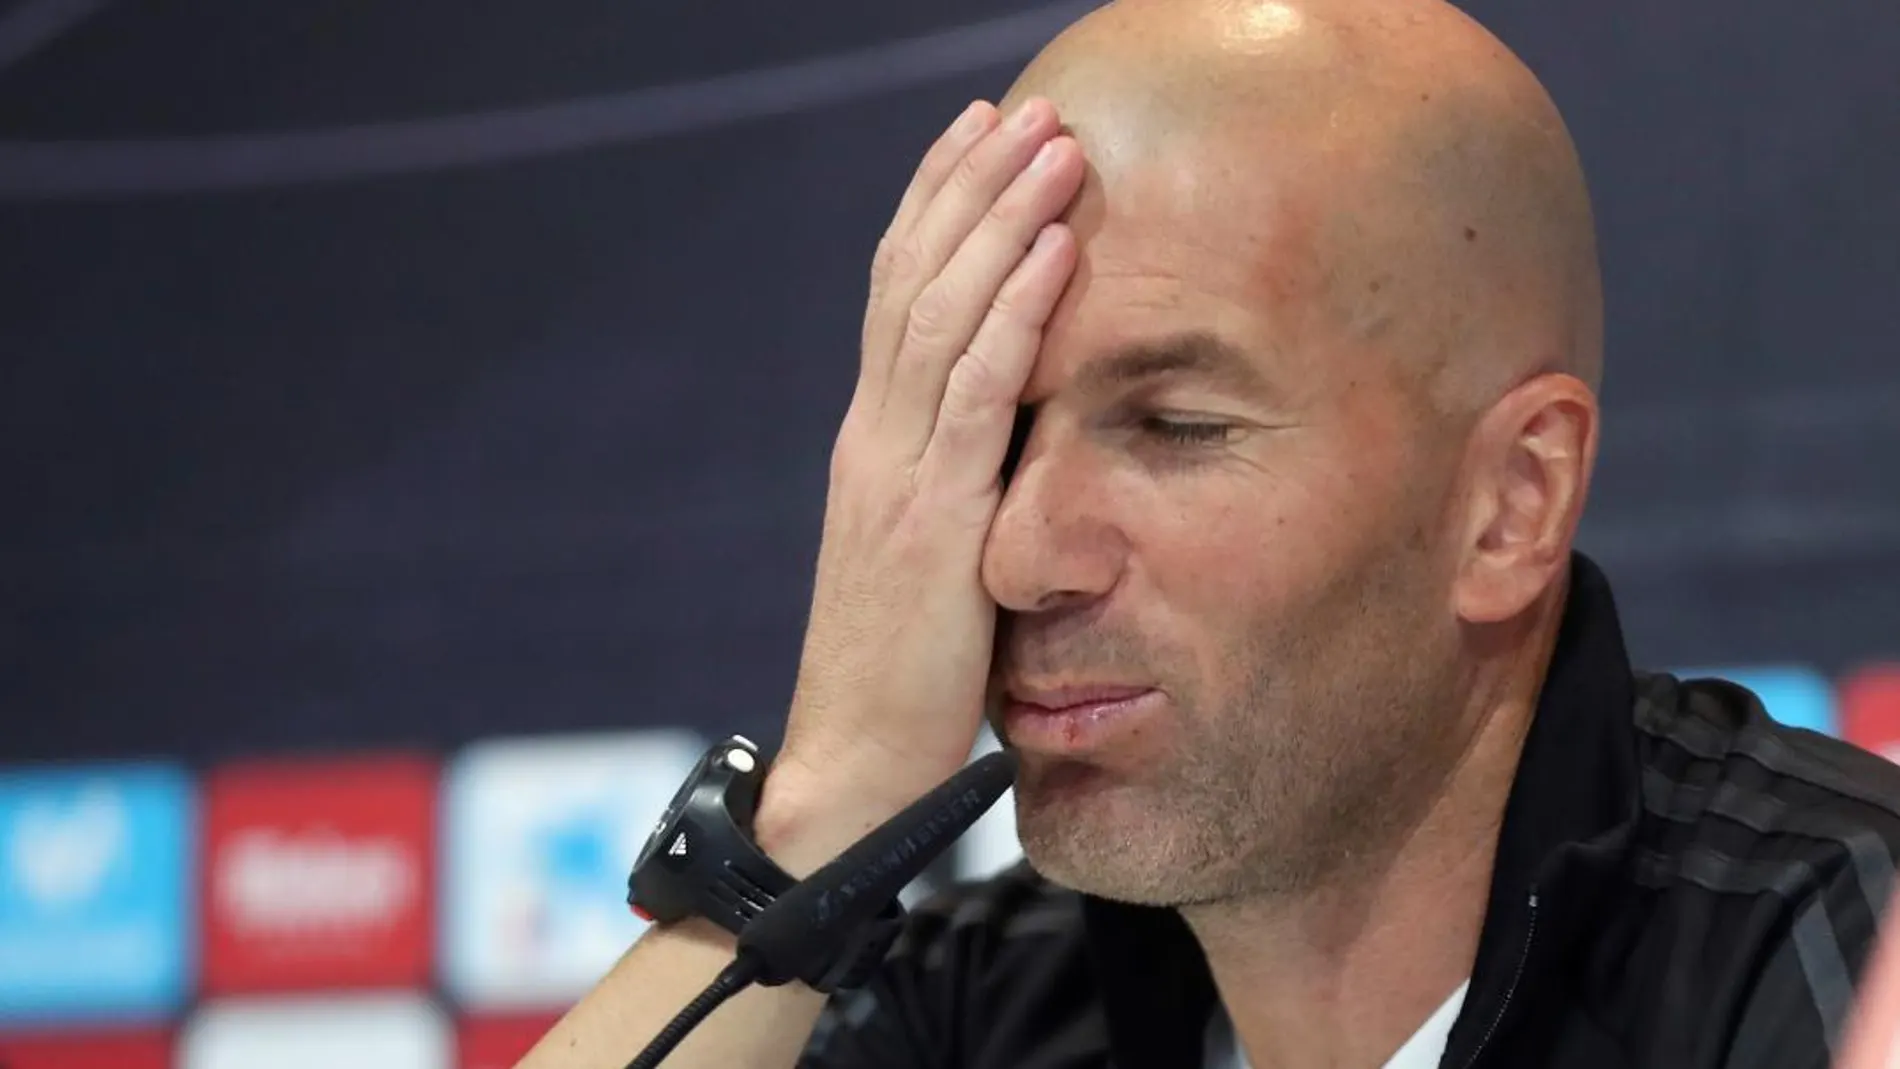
(734, 978)
(800, 933)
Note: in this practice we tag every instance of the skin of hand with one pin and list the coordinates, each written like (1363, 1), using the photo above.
(897, 652)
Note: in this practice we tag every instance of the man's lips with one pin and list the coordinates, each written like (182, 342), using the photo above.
(1076, 720)
(1056, 699)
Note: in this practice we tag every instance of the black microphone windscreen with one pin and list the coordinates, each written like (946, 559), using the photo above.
(810, 920)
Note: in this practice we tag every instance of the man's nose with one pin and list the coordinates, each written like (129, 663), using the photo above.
(1052, 544)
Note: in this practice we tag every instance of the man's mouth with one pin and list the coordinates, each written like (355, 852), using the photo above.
(1077, 719)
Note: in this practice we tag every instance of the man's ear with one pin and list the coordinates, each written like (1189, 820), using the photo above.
(1527, 471)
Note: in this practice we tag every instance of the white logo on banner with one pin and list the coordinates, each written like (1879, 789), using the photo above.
(316, 882)
(539, 836)
(60, 854)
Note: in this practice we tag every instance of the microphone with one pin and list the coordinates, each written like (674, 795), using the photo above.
(795, 935)
(800, 932)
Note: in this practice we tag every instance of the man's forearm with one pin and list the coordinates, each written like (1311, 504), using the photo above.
(760, 1027)
(801, 824)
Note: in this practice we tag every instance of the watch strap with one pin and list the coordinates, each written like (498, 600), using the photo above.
(709, 865)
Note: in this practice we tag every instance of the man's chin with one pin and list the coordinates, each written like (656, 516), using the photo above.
(1055, 780)
(1122, 879)
(1080, 832)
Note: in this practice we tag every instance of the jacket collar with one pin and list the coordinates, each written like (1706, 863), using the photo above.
(1567, 821)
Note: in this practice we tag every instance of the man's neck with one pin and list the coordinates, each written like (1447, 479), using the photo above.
(1340, 977)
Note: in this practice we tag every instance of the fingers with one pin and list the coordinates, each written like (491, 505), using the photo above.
(978, 414)
(939, 162)
(965, 133)
(951, 308)
(912, 257)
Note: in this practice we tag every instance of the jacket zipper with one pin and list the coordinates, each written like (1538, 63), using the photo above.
(1523, 959)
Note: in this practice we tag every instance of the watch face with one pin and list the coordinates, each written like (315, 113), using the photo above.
(673, 809)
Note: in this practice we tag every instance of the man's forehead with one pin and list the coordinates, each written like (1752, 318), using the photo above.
(1114, 334)
(1233, 211)
(1156, 266)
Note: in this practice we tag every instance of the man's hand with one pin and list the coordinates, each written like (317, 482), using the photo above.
(1873, 1033)
(897, 650)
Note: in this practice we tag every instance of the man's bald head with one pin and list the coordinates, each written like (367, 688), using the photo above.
(1388, 161)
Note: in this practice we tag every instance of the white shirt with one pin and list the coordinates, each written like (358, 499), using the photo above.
(1423, 1051)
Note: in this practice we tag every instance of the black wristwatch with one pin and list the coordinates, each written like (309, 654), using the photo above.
(701, 861)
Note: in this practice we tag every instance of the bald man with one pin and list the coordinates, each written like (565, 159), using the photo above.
(1226, 411)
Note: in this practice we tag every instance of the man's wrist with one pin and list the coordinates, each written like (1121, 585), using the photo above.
(802, 824)
(698, 931)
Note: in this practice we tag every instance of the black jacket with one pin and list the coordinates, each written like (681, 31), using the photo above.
(1681, 883)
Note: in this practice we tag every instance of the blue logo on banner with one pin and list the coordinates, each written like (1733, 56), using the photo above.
(95, 868)
(1796, 696)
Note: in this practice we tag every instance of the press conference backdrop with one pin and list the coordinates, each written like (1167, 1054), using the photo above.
(414, 419)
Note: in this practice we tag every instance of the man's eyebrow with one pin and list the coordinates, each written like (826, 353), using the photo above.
(1194, 354)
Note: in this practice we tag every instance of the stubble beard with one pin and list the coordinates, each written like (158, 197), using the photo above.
(1277, 793)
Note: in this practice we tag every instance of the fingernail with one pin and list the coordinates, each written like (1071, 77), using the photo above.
(968, 122)
(1025, 118)
(1044, 156)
